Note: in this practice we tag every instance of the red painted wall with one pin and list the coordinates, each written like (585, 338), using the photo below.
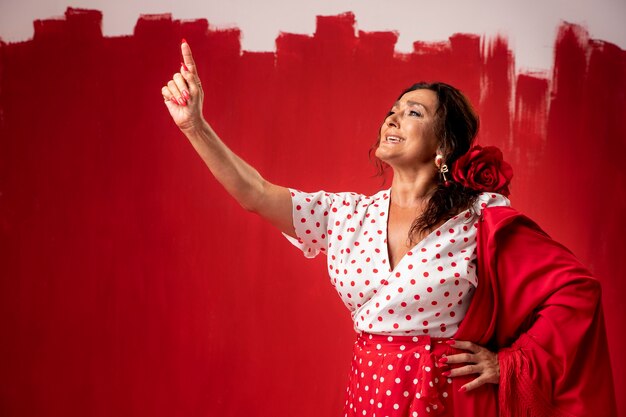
(132, 285)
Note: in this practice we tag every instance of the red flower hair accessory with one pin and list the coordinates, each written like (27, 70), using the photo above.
(483, 169)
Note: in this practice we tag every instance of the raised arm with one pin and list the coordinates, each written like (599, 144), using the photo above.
(184, 96)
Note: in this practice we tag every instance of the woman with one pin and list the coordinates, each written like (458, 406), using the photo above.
(438, 255)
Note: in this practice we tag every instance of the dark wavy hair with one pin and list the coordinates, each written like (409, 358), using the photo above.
(456, 126)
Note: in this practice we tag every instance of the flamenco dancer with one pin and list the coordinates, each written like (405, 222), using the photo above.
(462, 305)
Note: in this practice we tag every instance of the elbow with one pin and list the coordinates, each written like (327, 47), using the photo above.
(250, 208)
(249, 202)
(593, 287)
(597, 291)
(590, 293)
(251, 199)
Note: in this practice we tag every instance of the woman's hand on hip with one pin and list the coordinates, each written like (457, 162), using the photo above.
(478, 360)
(183, 94)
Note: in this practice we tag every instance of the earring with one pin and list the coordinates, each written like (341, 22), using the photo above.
(443, 169)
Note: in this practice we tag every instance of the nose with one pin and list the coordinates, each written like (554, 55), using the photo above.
(392, 121)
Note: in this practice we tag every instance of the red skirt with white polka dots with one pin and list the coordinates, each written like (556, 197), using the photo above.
(398, 376)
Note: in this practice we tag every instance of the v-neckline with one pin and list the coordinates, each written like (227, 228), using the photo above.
(387, 258)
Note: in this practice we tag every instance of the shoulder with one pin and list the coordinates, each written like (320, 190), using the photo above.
(508, 230)
(497, 218)
(493, 210)
(335, 202)
(332, 196)
(489, 200)
(514, 247)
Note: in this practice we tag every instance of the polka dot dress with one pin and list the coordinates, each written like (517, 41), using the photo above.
(398, 376)
(421, 300)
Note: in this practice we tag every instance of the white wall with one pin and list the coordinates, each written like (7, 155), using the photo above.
(529, 25)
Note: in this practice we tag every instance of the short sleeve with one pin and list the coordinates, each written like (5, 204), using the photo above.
(311, 213)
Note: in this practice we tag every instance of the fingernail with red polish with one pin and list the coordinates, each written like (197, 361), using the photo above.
(173, 100)
(182, 64)
(186, 94)
(443, 360)
(446, 373)
(183, 41)
(451, 341)
(463, 389)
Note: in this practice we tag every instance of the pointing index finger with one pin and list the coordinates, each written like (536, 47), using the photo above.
(187, 57)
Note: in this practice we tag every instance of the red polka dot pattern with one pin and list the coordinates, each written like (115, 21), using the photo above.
(430, 288)
(399, 376)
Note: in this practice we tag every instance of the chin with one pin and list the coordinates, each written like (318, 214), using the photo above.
(385, 154)
(380, 154)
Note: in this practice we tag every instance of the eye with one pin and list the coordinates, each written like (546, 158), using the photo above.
(415, 113)
(390, 113)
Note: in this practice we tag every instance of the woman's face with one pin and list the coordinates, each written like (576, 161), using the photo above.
(407, 136)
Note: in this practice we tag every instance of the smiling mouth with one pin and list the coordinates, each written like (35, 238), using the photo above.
(393, 139)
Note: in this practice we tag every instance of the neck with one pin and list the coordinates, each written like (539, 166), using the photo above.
(412, 190)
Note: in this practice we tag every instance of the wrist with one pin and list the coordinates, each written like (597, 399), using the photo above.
(498, 365)
(195, 129)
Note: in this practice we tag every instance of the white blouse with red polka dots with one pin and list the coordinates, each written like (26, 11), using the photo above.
(430, 288)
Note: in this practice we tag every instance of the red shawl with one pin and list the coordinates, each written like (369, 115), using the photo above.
(540, 309)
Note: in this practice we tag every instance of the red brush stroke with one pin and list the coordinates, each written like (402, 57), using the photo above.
(131, 284)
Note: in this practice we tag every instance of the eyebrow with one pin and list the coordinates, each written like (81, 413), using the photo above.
(412, 103)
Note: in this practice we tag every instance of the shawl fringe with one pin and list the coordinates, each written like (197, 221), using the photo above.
(518, 396)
